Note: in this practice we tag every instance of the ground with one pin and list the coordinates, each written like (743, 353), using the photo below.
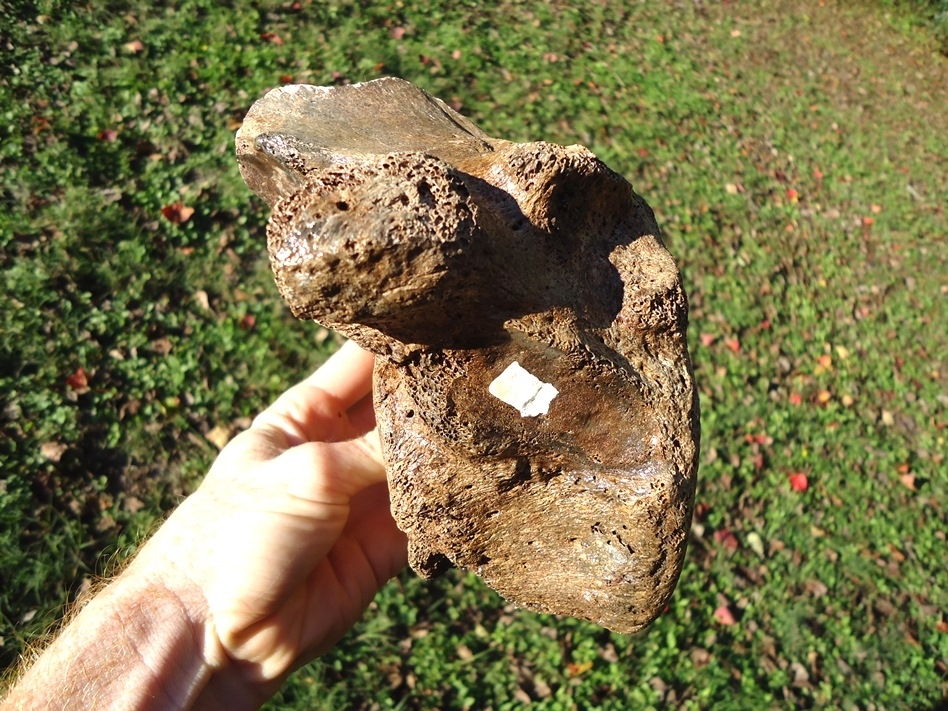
(796, 156)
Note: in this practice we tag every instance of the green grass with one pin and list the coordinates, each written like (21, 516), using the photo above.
(796, 159)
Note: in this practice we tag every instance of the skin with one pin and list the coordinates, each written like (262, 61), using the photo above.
(263, 568)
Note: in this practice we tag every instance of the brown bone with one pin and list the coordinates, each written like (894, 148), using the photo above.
(451, 255)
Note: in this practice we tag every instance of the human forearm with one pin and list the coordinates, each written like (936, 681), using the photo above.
(136, 645)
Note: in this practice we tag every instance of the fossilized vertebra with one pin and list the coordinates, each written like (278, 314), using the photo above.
(567, 483)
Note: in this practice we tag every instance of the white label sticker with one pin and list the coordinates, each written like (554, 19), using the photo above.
(521, 389)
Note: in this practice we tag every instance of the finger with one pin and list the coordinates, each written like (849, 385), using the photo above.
(347, 375)
(316, 409)
(362, 415)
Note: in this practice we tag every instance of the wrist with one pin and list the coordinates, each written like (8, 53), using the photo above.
(135, 645)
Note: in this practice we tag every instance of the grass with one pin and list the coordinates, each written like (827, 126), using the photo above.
(795, 156)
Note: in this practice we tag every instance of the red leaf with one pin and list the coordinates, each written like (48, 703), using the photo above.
(796, 399)
(733, 345)
(108, 135)
(727, 540)
(177, 213)
(396, 33)
(798, 481)
(724, 615)
(707, 339)
(248, 321)
(78, 380)
(271, 37)
(134, 47)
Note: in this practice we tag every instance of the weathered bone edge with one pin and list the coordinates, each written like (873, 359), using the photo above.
(452, 254)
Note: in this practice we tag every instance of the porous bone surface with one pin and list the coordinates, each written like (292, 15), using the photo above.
(452, 255)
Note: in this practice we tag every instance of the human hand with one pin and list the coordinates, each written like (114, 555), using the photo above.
(289, 537)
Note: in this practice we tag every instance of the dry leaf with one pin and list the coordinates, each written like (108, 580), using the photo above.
(177, 213)
(53, 451)
(219, 436)
(724, 615)
(78, 380)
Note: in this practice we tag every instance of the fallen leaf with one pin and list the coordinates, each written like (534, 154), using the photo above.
(78, 380)
(134, 47)
(796, 399)
(177, 213)
(727, 540)
(396, 33)
(700, 657)
(541, 688)
(724, 615)
(272, 37)
(108, 135)
(732, 345)
(609, 653)
(876, 209)
(792, 195)
(133, 504)
(707, 339)
(908, 480)
(522, 696)
(825, 361)
(823, 397)
(219, 436)
(798, 481)
(53, 451)
(248, 321)
(578, 669)
(161, 346)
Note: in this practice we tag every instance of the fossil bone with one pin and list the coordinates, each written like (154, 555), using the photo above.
(533, 389)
